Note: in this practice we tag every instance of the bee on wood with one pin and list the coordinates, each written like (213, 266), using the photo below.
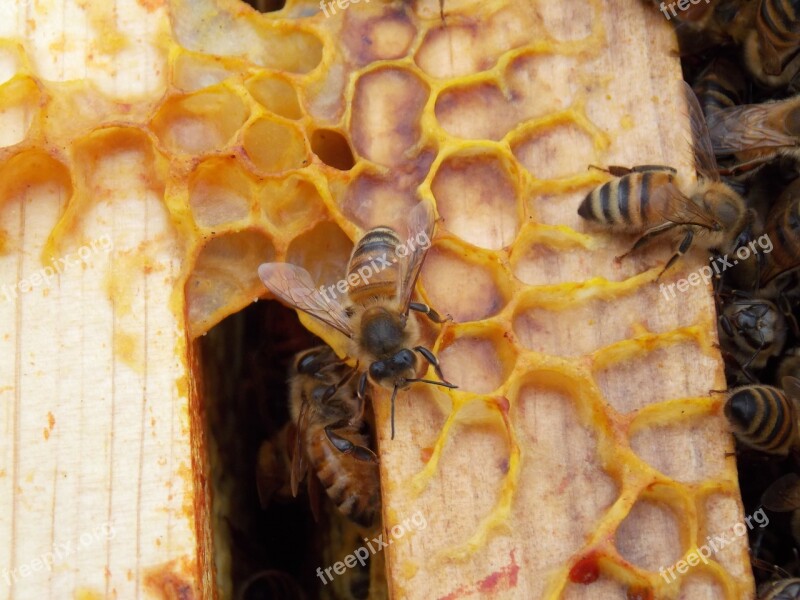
(375, 312)
(783, 589)
(330, 436)
(648, 200)
(772, 48)
(752, 331)
(765, 417)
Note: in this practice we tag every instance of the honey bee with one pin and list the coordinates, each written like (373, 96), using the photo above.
(752, 331)
(375, 314)
(646, 199)
(772, 48)
(783, 589)
(329, 417)
(764, 417)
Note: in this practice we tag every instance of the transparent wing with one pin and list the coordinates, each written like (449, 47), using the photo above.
(679, 209)
(299, 465)
(419, 231)
(748, 127)
(704, 161)
(783, 495)
(294, 286)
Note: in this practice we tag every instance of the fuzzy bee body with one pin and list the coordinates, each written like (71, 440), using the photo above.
(374, 314)
(765, 417)
(626, 203)
(377, 247)
(752, 330)
(647, 199)
(330, 436)
(772, 51)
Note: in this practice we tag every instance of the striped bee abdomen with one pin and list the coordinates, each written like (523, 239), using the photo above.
(625, 202)
(352, 485)
(373, 270)
(720, 86)
(762, 417)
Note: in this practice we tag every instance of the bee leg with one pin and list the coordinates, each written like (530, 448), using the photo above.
(358, 417)
(428, 312)
(332, 389)
(646, 168)
(614, 170)
(687, 241)
(429, 356)
(394, 395)
(345, 446)
(645, 238)
(732, 360)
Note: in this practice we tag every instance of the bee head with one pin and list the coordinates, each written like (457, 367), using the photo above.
(395, 369)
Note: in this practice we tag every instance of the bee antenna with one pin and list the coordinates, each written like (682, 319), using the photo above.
(394, 395)
(446, 384)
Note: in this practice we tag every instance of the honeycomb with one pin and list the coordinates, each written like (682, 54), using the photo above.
(583, 450)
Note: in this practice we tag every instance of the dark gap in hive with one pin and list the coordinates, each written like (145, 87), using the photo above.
(332, 148)
(266, 6)
(245, 362)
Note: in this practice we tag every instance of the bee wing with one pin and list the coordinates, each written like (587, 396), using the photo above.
(783, 495)
(299, 465)
(704, 161)
(678, 208)
(421, 222)
(748, 127)
(295, 287)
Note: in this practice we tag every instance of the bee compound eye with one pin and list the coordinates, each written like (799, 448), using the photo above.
(308, 364)
(378, 370)
(404, 359)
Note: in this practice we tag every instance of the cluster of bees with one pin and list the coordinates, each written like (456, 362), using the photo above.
(330, 436)
(742, 58)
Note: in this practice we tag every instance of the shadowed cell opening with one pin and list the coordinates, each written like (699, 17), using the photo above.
(266, 6)
(266, 541)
